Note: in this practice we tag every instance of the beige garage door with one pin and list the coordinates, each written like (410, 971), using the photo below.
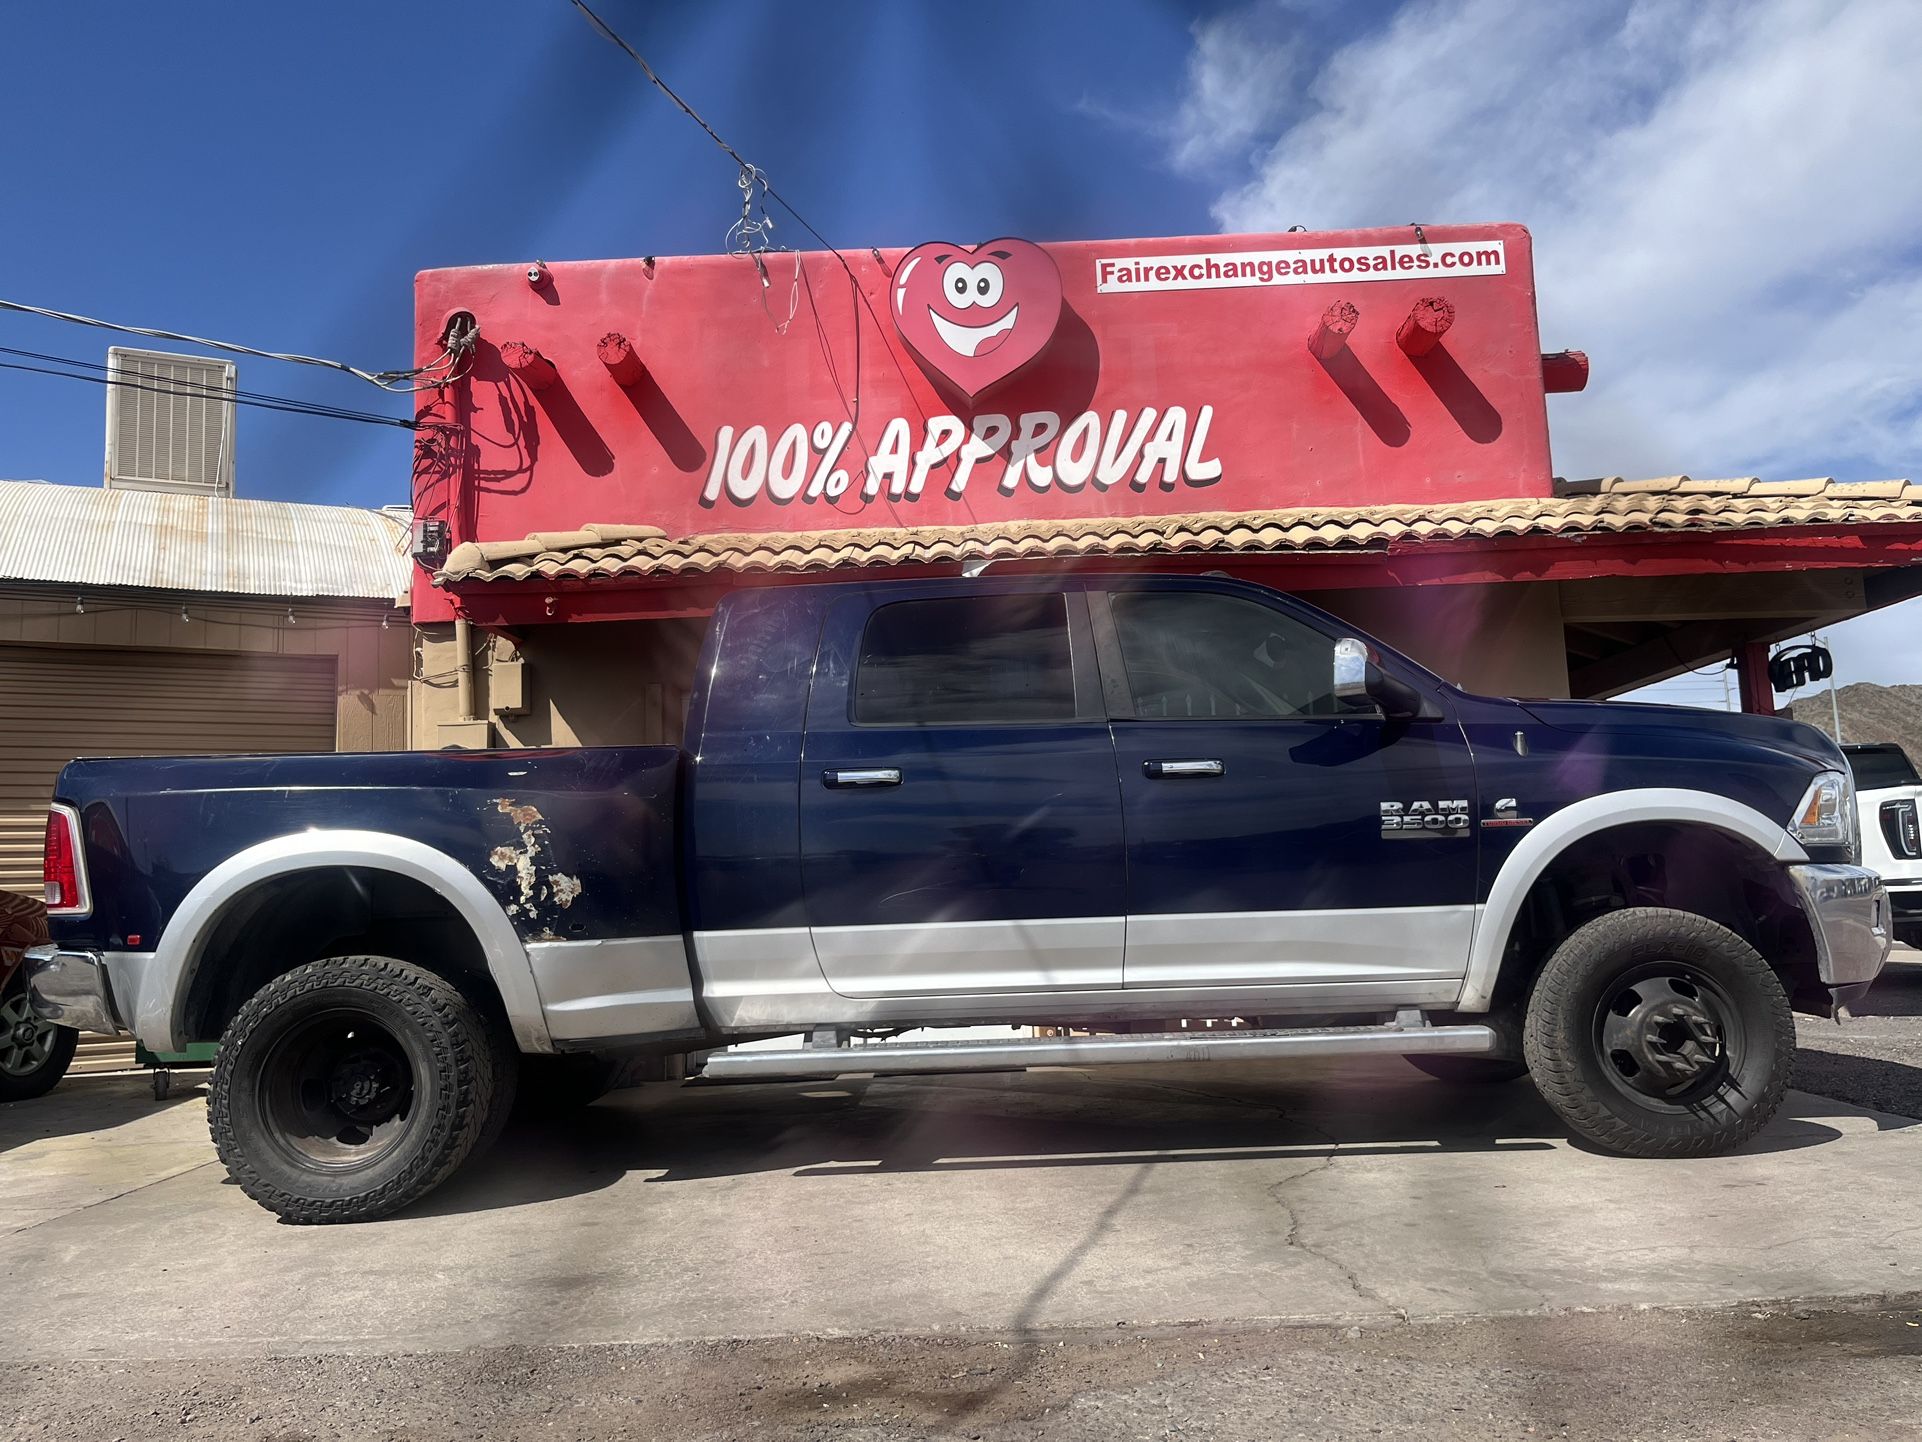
(57, 703)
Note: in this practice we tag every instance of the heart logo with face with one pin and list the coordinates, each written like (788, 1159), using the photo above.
(974, 316)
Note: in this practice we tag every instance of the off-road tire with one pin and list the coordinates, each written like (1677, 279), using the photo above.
(1562, 1035)
(507, 1073)
(36, 1073)
(452, 1064)
(1471, 1070)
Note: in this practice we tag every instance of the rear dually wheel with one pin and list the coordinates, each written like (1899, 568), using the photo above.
(350, 1087)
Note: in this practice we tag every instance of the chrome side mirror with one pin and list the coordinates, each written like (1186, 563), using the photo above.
(1359, 680)
(1351, 670)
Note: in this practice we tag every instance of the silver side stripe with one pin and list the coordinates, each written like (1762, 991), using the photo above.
(631, 986)
(1046, 954)
(1240, 948)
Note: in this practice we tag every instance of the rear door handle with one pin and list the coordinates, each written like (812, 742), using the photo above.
(863, 776)
(1196, 767)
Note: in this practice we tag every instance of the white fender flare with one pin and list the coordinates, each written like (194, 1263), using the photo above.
(163, 995)
(1554, 834)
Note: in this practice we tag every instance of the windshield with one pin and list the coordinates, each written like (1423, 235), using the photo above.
(1877, 767)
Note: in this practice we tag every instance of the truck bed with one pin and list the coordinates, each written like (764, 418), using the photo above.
(575, 844)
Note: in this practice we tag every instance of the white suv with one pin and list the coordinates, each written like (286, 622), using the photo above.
(1890, 795)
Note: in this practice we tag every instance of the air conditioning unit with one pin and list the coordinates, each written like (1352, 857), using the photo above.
(170, 422)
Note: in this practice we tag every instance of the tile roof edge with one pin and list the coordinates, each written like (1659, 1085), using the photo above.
(1668, 503)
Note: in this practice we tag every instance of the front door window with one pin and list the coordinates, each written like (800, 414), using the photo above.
(1206, 656)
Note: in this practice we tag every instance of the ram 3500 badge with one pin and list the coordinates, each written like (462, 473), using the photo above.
(1425, 818)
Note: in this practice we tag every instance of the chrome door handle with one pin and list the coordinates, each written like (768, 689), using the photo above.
(863, 776)
(1181, 768)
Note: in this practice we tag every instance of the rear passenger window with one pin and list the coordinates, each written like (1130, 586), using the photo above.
(966, 660)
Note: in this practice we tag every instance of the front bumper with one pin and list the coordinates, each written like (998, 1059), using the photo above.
(71, 988)
(1848, 909)
(1905, 897)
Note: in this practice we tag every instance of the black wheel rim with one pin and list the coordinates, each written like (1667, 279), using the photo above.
(337, 1091)
(1667, 1035)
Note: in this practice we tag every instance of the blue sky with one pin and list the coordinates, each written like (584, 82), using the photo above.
(275, 174)
(1726, 197)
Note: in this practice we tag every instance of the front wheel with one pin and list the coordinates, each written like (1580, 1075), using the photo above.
(34, 1054)
(348, 1088)
(1657, 1033)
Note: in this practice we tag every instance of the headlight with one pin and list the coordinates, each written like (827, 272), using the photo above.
(1826, 815)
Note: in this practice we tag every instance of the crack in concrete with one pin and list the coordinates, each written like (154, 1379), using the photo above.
(1293, 1238)
(102, 1201)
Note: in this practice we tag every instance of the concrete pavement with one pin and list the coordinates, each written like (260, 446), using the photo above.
(1875, 1060)
(1011, 1202)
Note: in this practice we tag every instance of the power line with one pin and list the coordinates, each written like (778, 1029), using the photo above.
(443, 369)
(286, 404)
(748, 168)
(182, 386)
(746, 229)
(648, 70)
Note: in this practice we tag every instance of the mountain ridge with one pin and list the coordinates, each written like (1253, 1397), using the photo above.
(1870, 713)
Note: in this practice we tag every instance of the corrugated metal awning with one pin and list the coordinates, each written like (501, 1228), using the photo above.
(165, 541)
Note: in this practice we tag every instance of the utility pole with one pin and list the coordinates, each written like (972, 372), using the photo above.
(1835, 707)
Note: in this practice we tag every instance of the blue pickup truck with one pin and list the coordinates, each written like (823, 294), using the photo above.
(1107, 807)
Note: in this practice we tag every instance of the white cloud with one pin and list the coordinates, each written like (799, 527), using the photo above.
(1241, 77)
(1726, 200)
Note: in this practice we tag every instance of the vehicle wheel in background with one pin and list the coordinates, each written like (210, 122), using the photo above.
(1477, 1070)
(1909, 933)
(350, 1087)
(1657, 1033)
(34, 1054)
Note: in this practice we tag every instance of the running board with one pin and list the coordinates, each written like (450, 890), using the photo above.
(1395, 1039)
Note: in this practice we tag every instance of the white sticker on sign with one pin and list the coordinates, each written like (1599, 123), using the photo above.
(1222, 270)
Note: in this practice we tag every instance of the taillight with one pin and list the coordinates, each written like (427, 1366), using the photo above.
(63, 877)
(1900, 829)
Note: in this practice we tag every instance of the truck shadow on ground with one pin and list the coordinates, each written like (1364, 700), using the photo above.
(1874, 1061)
(1291, 1119)
(1119, 1117)
(87, 1105)
(1898, 990)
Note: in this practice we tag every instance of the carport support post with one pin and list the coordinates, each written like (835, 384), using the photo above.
(464, 666)
(1752, 670)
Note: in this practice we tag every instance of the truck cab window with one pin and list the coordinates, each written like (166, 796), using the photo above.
(1877, 768)
(966, 660)
(1197, 655)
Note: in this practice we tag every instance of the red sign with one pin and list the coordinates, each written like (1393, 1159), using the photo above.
(953, 384)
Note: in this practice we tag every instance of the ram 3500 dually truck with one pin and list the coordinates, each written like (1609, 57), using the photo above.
(1102, 804)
